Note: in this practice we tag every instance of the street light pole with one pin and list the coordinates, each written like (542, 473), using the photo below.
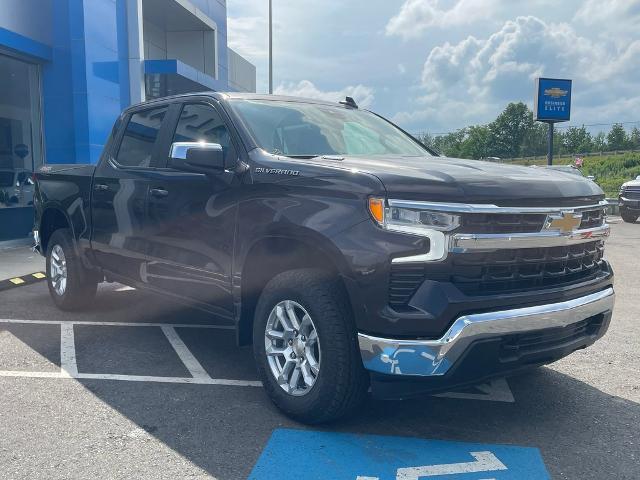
(270, 48)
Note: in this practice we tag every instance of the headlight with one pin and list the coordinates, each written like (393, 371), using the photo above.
(408, 220)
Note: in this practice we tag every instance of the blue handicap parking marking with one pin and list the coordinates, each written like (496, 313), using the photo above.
(297, 454)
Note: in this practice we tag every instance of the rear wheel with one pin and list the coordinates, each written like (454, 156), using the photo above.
(628, 215)
(305, 347)
(71, 285)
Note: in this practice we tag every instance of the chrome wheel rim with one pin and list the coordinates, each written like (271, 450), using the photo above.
(292, 348)
(58, 264)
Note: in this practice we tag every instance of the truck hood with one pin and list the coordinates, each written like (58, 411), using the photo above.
(631, 183)
(445, 179)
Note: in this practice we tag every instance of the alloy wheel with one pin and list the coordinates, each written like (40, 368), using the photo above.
(292, 347)
(58, 264)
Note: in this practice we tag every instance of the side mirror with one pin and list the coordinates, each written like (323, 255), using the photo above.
(198, 157)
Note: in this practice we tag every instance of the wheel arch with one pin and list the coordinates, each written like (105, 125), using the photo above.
(274, 254)
(52, 219)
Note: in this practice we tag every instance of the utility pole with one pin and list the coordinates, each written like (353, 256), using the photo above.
(270, 48)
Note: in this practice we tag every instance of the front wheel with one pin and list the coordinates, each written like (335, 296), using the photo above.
(305, 347)
(628, 215)
(71, 286)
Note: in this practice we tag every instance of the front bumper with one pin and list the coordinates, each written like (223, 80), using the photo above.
(435, 358)
(629, 203)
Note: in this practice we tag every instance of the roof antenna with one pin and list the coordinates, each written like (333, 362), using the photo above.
(349, 102)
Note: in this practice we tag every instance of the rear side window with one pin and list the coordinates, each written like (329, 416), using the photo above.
(140, 136)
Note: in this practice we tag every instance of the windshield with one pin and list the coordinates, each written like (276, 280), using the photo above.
(307, 129)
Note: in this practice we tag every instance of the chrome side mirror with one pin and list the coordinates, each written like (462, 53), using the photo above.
(198, 157)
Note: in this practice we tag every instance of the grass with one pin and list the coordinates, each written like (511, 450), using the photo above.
(610, 171)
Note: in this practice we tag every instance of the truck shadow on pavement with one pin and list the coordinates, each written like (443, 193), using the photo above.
(223, 429)
(582, 432)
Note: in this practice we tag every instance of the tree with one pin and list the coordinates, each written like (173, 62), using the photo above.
(634, 138)
(476, 142)
(577, 140)
(508, 131)
(535, 140)
(617, 137)
(600, 142)
(450, 143)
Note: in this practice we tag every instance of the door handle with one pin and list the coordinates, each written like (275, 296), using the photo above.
(101, 187)
(159, 192)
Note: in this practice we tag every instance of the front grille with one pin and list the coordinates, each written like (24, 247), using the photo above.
(631, 192)
(495, 223)
(503, 271)
(480, 223)
(513, 270)
(592, 218)
(513, 347)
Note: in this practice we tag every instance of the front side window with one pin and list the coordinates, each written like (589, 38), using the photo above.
(202, 123)
(140, 136)
(309, 129)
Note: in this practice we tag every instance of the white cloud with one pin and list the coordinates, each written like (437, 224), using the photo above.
(416, 16)
(598, 12)
(402, 69)
(363, 95)
(243, 39)
(485, 74)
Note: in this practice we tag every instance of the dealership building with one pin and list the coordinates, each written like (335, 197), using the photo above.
(68, 67)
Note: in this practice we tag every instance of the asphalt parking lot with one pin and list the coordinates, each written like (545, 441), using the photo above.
(137, 387)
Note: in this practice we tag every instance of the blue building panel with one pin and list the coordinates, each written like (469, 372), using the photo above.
(85, 77)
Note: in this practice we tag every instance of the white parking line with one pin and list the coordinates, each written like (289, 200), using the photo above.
(132, 378)
(496, 390)
(192, 364)
(68, 365)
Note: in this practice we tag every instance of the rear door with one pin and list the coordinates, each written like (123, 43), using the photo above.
(120, 188)
(192, 224)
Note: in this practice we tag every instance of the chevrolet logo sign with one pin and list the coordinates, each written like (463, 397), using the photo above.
(566, 222)
(556, 92)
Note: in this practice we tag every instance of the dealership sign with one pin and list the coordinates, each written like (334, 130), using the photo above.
(552, 100)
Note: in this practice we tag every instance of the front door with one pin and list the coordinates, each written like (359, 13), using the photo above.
(192, 221)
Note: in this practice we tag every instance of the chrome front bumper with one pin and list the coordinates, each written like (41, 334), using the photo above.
(435, 357)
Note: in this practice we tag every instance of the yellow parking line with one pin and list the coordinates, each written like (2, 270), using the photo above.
(38, 275)
(16, 281)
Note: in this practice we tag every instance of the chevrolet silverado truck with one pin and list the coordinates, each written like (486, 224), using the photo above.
(348, 254)
(629, 200)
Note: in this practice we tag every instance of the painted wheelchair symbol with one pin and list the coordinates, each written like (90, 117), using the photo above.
(484, 462)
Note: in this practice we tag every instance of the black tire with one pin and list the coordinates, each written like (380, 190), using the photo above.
(81, 284)
(628, 216)
(341, 384)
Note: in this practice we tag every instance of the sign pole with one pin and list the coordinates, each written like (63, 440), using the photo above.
(270, 47)
(550, 144)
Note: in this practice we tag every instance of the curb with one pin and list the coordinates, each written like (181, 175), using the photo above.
(22, 280)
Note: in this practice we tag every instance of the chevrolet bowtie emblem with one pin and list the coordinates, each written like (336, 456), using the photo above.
(566, 222)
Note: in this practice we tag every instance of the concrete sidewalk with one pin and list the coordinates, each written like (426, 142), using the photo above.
(17, 259)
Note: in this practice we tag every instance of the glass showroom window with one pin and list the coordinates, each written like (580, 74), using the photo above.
(20, 131)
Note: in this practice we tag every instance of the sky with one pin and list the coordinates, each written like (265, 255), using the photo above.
(439, 65)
